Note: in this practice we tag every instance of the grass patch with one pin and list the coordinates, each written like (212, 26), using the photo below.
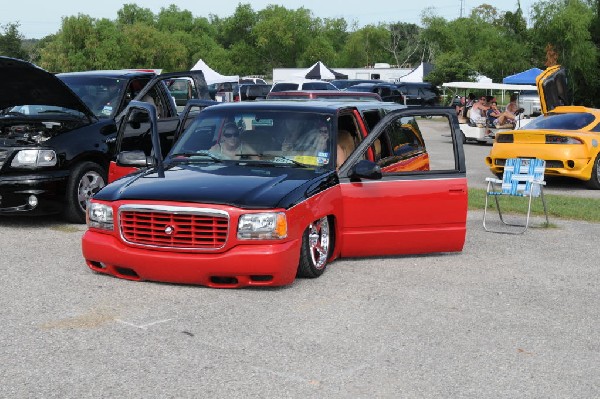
(558, 206)
(65, 228)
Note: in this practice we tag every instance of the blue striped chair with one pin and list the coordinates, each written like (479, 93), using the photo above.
(523, 177)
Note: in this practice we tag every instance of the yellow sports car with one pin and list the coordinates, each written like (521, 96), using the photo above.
(566, 137)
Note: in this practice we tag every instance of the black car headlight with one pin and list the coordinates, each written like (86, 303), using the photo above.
(34, 159)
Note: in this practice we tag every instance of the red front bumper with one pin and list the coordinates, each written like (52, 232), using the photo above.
(243, 265)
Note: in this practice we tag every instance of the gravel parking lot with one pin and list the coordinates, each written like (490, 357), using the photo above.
(510, 316)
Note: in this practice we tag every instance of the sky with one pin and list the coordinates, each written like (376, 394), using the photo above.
(39, 18)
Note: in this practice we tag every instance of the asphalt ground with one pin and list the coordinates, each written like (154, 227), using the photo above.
(509, 316)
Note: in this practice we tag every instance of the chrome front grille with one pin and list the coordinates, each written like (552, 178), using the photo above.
(184, 228)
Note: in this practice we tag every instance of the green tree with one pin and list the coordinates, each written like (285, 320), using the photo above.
(69, 50)
(282, 35)
(565, 24)
(172, 19)
(365, 46)
(11, 42)
(132, 13)
(238, 28)
(451, 67)
(405, 43)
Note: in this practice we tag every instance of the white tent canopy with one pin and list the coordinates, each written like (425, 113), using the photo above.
(417, 74)
(211, 76)
(488, 86)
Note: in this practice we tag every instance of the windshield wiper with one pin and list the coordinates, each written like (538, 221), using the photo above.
(196, 154)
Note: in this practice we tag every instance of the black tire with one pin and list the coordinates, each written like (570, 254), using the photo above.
(316, 248)
(464, 138)
(594, 182)
(86, 179)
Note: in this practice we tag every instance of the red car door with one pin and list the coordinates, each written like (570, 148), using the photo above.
(418, 203)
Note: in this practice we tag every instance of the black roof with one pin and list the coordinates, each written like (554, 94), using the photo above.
(308, 105)
(116, 73)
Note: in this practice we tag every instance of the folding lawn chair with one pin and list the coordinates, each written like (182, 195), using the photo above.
(523, 177)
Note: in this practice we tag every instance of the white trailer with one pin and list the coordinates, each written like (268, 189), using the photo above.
(383, 73)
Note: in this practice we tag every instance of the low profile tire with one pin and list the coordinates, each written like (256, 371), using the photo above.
(316, 248)
(594, 182)
(86, 179)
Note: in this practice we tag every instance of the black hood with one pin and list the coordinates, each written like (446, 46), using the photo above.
(245, 186)
(22, 83)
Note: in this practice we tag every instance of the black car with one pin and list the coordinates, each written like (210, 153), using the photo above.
(251, 91)
(58, 132)
(419, 94)
(387, 91)
(343, 84)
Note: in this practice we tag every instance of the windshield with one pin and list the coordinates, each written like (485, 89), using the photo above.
(570, 121)
(300, 139)
(102, 95)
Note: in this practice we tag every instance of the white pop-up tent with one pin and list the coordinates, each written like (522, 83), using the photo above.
(417, 74)
(211, 76)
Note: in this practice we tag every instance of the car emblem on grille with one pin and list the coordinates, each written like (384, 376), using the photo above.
(169, 230)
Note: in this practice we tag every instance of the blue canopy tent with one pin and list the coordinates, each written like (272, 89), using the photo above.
(523, 78)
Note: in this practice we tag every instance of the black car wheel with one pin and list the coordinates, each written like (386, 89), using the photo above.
(86, 180)
(316, 247)
(594, 182)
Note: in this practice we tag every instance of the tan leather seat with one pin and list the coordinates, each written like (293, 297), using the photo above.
(345, 146)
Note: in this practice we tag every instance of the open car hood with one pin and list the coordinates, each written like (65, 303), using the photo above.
(552, 86)
(23, 83)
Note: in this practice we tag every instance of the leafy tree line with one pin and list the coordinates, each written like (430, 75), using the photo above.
(488, 42)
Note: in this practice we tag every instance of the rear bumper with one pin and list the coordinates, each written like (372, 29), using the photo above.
(241, 266)
(572, 161)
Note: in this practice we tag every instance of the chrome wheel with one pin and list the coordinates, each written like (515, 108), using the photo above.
(89, 184)
(318, 242)
(317, 246)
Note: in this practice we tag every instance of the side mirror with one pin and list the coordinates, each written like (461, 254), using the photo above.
(136, 118)
(136, 159)
(365, 169)
(108, 129)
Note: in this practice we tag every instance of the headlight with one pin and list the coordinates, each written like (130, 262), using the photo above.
(262, 226)
(100, 216)
(34, 159)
